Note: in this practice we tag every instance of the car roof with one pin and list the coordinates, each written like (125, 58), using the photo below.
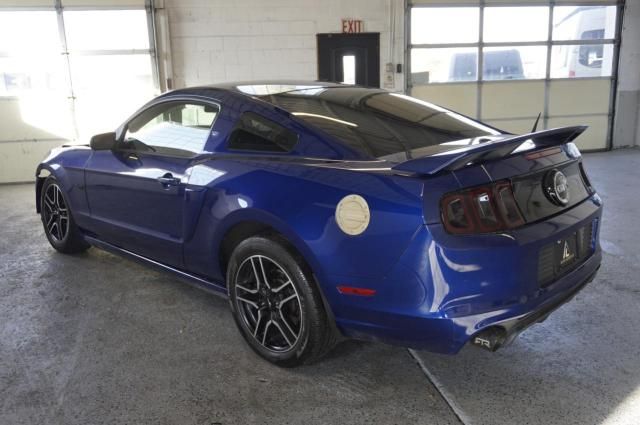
(263, 87)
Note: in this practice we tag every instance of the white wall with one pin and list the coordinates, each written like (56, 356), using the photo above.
(220, 40)
(626, 131)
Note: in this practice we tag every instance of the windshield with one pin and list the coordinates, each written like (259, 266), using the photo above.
(379, 124)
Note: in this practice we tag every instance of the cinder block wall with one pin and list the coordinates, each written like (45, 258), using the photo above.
(626, 131)
(221, 40)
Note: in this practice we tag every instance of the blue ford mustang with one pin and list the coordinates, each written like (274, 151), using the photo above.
(325, 210)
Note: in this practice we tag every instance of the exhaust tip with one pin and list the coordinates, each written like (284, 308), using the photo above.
(490, 339)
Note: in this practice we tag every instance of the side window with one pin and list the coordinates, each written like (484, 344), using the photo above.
(172, 128)
(256, 133)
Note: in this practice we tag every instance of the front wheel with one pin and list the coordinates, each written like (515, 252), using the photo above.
(276, 304)
(59, 226)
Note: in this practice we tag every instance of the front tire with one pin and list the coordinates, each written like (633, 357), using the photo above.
(57, 220)
(276, 304)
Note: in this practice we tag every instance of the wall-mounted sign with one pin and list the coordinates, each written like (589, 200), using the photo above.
(352, 26)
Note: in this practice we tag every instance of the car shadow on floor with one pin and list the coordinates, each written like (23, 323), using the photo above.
(95, 335)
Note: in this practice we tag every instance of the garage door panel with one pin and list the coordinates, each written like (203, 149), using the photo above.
(458, 97)
(73, 3)
(584, 96)
(533, 2)
(519, 126)
(40, 116)
(110, 3)
(566, 49)
(546, 2)
(20, 159)
(440, 2)
(595, 137)
(477, 2)
(573, 2)
(26, 3)
(512, 99)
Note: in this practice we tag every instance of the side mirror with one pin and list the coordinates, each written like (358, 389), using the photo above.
(103, 142)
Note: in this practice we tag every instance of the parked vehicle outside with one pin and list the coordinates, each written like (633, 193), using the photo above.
(497, 65)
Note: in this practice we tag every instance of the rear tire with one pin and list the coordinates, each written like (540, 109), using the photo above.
(57, 220)
(276, 304)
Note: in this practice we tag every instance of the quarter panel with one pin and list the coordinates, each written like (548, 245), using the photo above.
(299, 200)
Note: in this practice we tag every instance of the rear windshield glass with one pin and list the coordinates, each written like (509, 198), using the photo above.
(377, 123)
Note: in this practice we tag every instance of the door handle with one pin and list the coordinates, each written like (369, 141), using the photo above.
(168, 180)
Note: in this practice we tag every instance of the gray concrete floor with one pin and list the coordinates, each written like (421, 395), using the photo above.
(95, 338)
(582, 365)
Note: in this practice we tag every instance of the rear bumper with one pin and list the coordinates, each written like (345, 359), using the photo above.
(446, 291)
(502, 332)
(447, 335)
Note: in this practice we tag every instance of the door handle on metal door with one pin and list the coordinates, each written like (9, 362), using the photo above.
(168, 180)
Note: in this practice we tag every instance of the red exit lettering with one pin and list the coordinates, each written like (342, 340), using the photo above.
(352, 26)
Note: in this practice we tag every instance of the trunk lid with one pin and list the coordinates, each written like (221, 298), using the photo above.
(486, 149)
(537, 165)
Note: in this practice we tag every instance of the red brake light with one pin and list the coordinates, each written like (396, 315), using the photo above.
(483, 209)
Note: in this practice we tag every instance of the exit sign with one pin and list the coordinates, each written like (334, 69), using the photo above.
(352, 26)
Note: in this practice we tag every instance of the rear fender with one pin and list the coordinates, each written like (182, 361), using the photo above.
(269, 220)
(299, 201)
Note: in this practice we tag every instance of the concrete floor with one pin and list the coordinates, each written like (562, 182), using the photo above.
(95, 338)
(582, 365)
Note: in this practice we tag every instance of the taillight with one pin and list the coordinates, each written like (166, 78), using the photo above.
(586, 180)
(482, 209)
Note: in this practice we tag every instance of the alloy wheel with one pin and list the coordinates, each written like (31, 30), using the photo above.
(55, 213)
(268, 303)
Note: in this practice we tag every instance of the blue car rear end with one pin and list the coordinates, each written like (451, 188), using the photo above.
(485, 287)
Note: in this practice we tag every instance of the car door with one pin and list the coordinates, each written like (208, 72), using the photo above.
(137, 191)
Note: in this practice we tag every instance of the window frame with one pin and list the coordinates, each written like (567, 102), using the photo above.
(59, 8)
(237, 126)
(549, 43)
(480, 45)
(122, 131)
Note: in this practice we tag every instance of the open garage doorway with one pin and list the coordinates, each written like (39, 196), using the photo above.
(349, 58)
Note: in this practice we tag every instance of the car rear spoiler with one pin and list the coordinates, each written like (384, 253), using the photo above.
(497, 149)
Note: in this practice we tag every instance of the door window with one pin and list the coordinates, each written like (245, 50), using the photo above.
(172, 128)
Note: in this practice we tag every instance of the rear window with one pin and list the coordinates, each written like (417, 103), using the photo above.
(256, 133)
(376, 123)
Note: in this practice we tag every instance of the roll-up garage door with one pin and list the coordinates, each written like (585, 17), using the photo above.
(504, 62)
